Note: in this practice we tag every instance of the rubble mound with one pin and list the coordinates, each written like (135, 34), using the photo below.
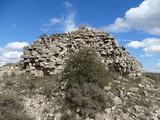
(48, 53)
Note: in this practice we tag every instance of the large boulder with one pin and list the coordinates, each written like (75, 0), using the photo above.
(48, 53)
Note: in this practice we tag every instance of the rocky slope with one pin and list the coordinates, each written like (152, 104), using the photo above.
(42, 97)
(47, 54)
(26, 96)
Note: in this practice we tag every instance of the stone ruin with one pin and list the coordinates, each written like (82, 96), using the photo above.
(48, 53)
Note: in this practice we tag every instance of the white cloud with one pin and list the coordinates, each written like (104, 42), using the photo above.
(16, 45)
(67, 22)
(152, 49)
(2, 50)
(11, 52)
(135, 44)
(118, 26)
(145, 17)
(150, 46)
(56, 20)
(4, 61)
(67, 4)
(158, 65)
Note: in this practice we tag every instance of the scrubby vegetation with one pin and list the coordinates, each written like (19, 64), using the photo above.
(84, 88)
(25, 84)
(88, 98)
(11, 108)
(86, 76)
(30, 83)
(84, 66)
(153, 76)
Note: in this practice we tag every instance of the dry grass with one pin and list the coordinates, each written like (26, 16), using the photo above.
(11, 108)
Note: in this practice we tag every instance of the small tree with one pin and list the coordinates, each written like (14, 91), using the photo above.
(84, 66)
(86, 76)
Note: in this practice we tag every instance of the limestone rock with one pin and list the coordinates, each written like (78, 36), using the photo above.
(48, 53)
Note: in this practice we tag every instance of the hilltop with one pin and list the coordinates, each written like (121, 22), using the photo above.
(47, 54)
(80, 75)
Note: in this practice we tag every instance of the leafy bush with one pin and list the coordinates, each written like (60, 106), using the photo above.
(84, 66)
(86, 76)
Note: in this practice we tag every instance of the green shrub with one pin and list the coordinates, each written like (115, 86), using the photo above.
(13, 74)
(84, 66)
(86, 76)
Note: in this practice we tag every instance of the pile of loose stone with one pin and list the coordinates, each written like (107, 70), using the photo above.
(48, 53)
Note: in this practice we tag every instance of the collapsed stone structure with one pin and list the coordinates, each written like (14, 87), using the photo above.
(48, 53)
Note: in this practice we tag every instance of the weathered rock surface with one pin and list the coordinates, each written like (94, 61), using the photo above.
(47, 54)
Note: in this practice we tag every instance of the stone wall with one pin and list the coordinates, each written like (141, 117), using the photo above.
(48, 53)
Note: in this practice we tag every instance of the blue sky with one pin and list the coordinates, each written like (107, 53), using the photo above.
(134, 23)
